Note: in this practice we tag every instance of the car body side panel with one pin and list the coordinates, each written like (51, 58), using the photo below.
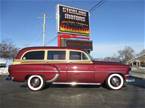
(20, 72)
(60, 68)
(78, 72)
(103, 71)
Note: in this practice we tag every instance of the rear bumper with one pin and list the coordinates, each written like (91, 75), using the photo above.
(10, 77)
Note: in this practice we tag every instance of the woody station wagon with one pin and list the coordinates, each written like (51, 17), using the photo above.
(38, 65)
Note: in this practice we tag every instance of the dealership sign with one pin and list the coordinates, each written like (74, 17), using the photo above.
(79, 44)
(72, 20)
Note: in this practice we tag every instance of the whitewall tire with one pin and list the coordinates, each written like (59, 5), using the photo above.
(115, 81)
(35, 82)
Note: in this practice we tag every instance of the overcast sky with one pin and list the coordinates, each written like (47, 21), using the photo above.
(114, 25)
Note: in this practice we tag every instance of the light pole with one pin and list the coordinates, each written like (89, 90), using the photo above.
(44, 29)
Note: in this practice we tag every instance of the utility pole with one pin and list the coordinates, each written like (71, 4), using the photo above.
(44, 28)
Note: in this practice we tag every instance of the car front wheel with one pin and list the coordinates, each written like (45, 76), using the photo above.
(35, 82)
(115, 81)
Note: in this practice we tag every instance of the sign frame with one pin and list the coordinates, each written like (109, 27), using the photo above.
(77, 44)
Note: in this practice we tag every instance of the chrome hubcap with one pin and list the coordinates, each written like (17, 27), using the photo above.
(35, 82)
(115, 81)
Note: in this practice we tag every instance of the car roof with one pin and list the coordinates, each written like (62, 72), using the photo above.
(47, 47)
(23, 50)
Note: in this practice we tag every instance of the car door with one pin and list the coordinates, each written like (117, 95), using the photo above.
(57, 60)
(80, 68)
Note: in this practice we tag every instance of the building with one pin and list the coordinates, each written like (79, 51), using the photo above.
(138, 63)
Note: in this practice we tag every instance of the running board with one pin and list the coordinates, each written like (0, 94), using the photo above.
(76, 83)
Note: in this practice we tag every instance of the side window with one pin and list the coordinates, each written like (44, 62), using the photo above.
(74, 55)
(56, 55)
(84, 57)
(34, 55)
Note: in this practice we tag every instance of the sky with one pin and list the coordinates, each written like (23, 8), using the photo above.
(114, 25)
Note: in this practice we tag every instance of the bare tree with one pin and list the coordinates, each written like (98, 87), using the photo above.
(126, 54)
(142, 52)
(7, 50)
(112, 59)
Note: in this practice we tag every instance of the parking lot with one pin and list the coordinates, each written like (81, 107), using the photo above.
(17, 95)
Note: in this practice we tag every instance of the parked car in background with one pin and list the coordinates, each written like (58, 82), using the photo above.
(3, 67)
(38, 65)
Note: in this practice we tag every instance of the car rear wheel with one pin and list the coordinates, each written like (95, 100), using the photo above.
(35, 82)
(115, 81)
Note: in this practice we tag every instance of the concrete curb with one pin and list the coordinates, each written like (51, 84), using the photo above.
(2, 74)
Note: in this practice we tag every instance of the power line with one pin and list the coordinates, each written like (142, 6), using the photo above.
(52, 39)
(99, 3)
(92, 8)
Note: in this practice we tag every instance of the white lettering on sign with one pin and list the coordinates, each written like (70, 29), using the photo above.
(74, 11)
(75, 17)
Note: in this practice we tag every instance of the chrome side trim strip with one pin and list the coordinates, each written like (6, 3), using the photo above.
(54, 71)
(38, 71)
(76, 83)
(54, 78)
(81, 71)
(66, 71)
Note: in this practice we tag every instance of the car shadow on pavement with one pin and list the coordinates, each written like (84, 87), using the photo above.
(137, 100)
(47, 86)
(23, 85)
(139, 82)
(69, 86)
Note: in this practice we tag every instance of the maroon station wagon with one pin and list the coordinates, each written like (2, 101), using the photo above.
(38, 65)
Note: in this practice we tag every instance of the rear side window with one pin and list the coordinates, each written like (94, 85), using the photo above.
(56, 55)
(34, 55)
(74, 55)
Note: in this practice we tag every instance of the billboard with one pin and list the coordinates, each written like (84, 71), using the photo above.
(79, 44)
(73, 20)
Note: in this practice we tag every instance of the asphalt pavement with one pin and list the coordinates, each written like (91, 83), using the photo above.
(17, 95)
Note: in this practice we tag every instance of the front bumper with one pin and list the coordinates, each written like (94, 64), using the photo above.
(129, 78)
